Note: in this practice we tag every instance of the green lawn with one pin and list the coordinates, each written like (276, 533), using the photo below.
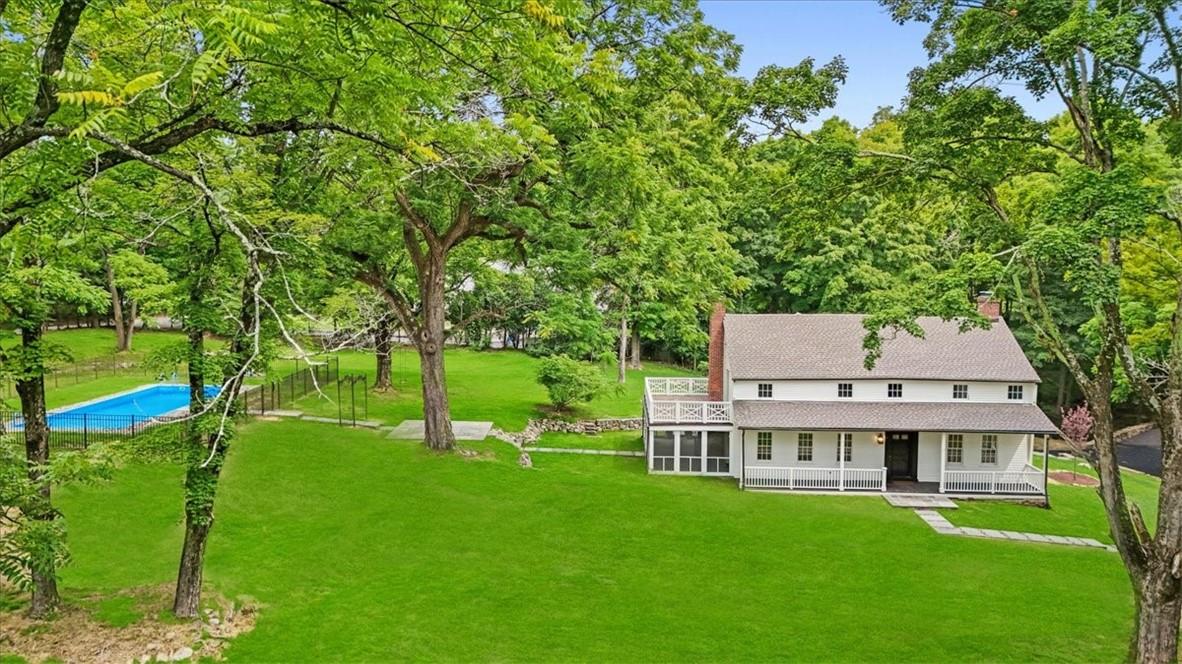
(499, 386)
(611, 440)
(363, 549)
(1075, 510)
(360, 548)
(85, 344)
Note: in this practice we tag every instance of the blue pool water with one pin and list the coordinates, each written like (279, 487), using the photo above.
(122, 410)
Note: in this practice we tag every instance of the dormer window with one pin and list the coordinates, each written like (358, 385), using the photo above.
(960, 391)
(845, 390)
(764, 390)
(895, 390)
(1014, 392)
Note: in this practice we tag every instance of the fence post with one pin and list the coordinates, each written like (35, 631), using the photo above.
(85, 431)
(365, 395)
(340, 421)
(353, 400)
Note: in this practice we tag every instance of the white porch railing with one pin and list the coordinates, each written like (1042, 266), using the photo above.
(675, 386)
(1029, 480)
(815, 479)
(705, 412)
(664, 410)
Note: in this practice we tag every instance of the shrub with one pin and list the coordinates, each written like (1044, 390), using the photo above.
(569, 381)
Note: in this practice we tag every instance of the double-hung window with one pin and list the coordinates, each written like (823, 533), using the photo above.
(804, 447)
(955, 448)
(763, 446)
(989, 448)
(845, 444)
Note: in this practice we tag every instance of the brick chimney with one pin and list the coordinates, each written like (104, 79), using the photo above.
(987, 306)
(714, 368)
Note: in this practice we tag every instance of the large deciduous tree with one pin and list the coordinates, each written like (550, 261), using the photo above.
(1116, 69)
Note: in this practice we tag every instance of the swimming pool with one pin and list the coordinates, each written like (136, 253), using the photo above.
(125, 409)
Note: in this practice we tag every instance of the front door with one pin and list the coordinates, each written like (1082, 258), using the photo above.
(902, 452)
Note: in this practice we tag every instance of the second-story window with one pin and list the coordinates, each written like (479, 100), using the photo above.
(845, 390)
(960, 391)
(1014, 392)
(764, 390)
(895, 390)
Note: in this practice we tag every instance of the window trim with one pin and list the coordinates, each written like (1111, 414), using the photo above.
(763, 438)
(958, 439)
(845, 387)
(845, 441)
(891, 388)
(759, 390)
(989, 443)
(962, 393)
(801, 438)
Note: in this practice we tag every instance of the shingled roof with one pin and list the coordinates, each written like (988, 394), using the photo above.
(829, 346)
(880, 416)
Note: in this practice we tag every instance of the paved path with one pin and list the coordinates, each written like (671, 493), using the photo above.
(415, 430)
(1142, 452)
(924, 501)
(945, 527)
(571, 450)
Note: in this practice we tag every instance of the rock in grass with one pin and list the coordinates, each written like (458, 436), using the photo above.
(182, 654)
(524, 461)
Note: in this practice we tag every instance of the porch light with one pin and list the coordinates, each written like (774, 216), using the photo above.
(879, 438)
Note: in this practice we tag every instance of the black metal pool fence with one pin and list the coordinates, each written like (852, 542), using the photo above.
(76, 431)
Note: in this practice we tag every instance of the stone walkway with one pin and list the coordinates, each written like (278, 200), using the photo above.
(925, 501)
(571, 450)
(945, 527)
(414, 430)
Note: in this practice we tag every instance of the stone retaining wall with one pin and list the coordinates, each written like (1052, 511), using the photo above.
(535, 428)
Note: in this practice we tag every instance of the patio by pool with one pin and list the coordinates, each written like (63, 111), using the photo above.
(125, 409)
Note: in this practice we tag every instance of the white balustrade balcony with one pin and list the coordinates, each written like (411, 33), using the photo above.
(683, 401)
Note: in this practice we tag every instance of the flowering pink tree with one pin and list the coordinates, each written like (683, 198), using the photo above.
(1076, 426)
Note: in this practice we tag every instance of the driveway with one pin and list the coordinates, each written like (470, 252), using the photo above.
(1142, 452)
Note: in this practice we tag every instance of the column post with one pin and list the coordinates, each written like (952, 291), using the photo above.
(943, 457)
(677, 451)
(841, 461)
(703, 440)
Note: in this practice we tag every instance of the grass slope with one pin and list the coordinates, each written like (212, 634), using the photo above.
(364, 549)
(499, 386)
(611, 440)
(1075, 510)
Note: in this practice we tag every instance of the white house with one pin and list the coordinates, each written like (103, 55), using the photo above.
(789, 404)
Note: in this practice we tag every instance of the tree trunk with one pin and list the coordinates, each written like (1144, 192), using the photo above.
(438, 433)
(122, 342)
(634, 358)
(198, 499)
(383, 338)
(1061, 398)
(206, 453)
(32, 395)
(129, 331)
(623, 353)
(1158, 611)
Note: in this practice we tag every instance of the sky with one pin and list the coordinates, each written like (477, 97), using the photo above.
(878, 51)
